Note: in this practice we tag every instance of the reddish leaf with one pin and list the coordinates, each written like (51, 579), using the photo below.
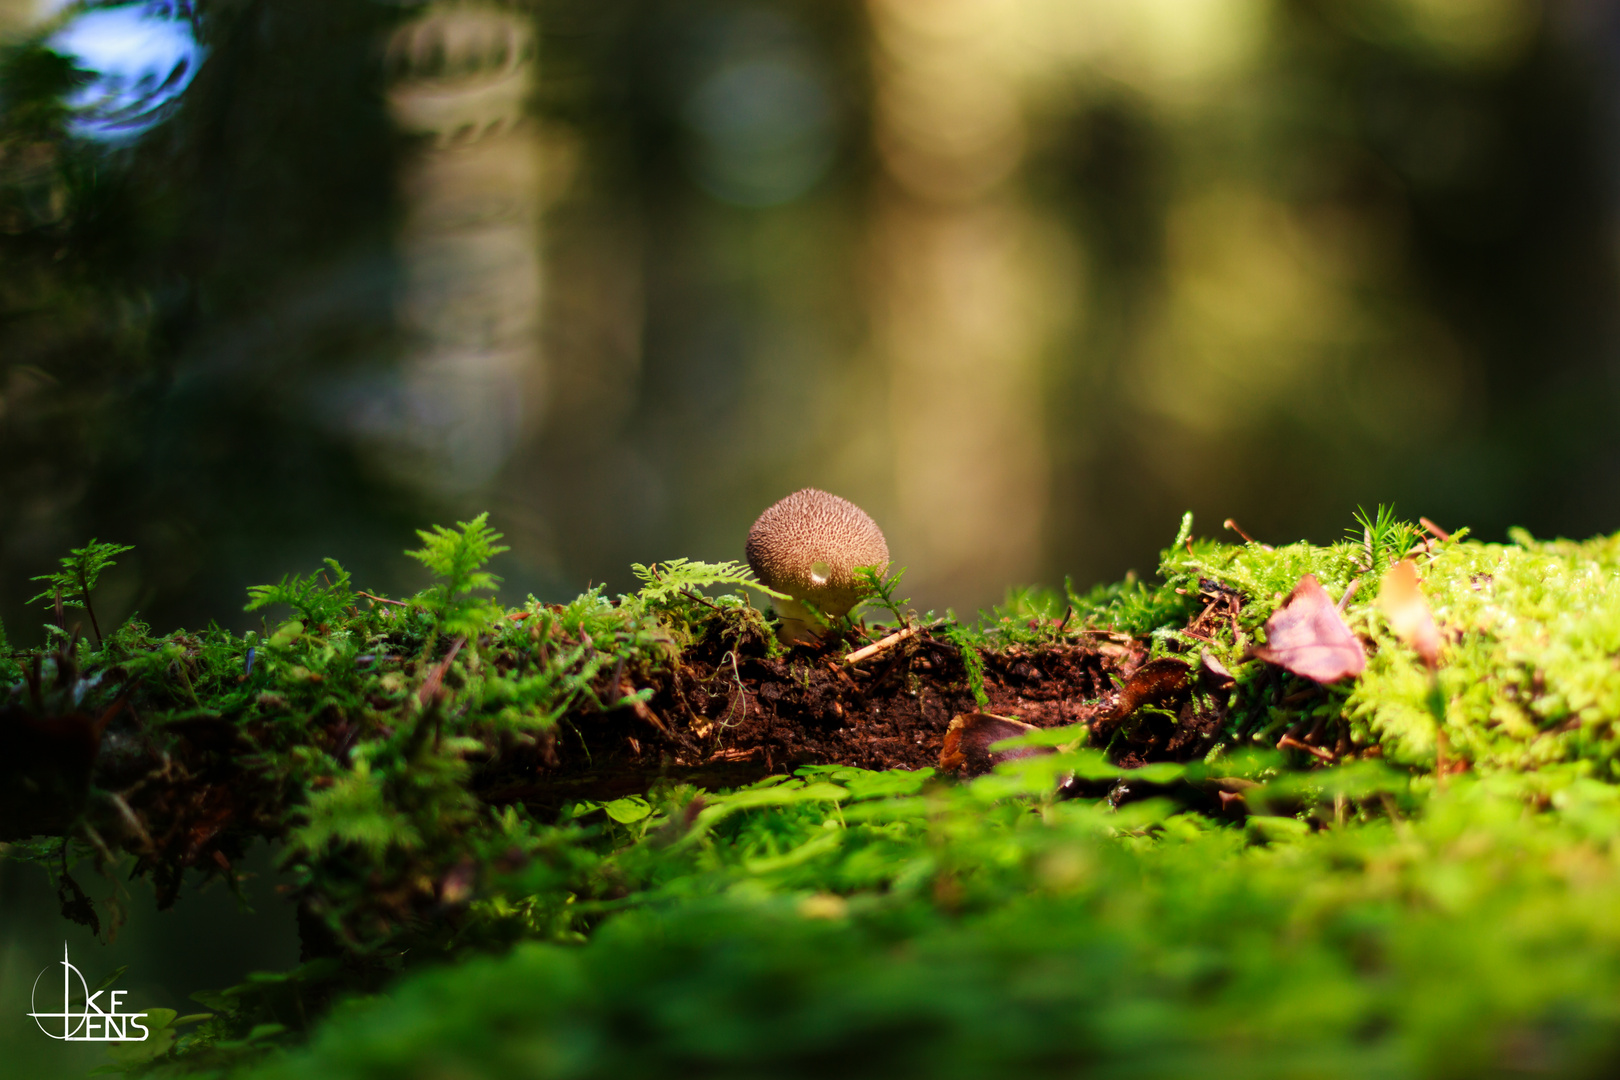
(1307, 636)
(1408, 613)
(1215, 672)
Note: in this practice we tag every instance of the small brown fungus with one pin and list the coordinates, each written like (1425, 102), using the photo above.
(810, 545)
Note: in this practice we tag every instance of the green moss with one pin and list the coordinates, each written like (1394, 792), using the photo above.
(1369, 917)
(877, 925)
(1531, 631)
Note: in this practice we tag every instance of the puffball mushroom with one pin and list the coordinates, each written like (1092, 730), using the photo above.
(809, 546)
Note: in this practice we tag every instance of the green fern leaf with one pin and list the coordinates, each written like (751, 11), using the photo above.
(665, 581)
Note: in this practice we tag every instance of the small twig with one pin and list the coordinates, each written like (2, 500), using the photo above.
(1439, 533)
(430, 685)
(1288, 742)
(690, 595)
(880, 646)
(84, 591)
(102, 850)
(893, 666)
(843, 676)
(627, 696)
(1348, 593)
(1441, 765)
(130, 819)
(736, 754)
(1235, 527)
(180, 669)
(1300, 695)
(1111, 634)
(741, 695)
(382, 599)
(1389, 807)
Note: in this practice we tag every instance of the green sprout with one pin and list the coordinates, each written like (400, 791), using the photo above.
(81, 569)
(457, 557)
(317, 599)
(880, 590)
(1386, 538)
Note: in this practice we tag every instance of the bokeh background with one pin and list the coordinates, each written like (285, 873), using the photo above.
(1025, 278)
(283, 279)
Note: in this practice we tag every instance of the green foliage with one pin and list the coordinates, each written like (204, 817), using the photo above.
(678, 579)
(322, 597)
(81, 570)
(1369, 917)
(969, 643)
(457, 557)
(1385, 537)
(900, 927)
(1136, 608)
(34, 85)
(355, 809)
(880, 589)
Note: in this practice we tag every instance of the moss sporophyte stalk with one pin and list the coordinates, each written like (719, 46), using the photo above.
(1170, 845)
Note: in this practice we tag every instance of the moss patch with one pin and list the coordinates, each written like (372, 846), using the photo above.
(1211, 859)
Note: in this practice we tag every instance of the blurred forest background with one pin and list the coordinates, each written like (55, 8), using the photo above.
(282, 279)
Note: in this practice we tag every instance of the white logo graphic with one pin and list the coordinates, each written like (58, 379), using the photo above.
(93, 1024)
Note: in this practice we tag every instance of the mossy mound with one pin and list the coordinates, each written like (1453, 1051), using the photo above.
(716, 855)
(1531, 633)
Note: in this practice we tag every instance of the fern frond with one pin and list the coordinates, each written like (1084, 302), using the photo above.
(315, 600)
(354, 810)
(879, 592)
(663, 582)
(81, 569)
(457, 557)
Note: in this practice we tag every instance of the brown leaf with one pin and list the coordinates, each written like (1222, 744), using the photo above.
(1307, 636)
(1408, 612)
(970, 736)
(1155, 681)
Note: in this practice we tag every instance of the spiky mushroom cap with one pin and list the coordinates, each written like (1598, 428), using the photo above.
(809, 546)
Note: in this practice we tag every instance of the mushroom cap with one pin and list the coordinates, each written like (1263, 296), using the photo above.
(809, 546)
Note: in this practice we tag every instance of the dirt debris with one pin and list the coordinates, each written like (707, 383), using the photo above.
(732, 718)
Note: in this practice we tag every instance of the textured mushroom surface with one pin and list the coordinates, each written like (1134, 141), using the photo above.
(810, 544)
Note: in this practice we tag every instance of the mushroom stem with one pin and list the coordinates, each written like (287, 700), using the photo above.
(798, 622)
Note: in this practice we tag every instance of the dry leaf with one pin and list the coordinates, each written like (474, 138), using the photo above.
(1307, 636)
(1153, 682)
(1215, 672)
(1157, 682)
(970, 736)
(1408, 612)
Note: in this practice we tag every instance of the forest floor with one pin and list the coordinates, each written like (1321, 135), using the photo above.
(1270, 811)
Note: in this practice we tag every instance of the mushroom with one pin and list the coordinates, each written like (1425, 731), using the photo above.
(809, 546)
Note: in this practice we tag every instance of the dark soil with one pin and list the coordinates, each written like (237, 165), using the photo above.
(719, 719)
